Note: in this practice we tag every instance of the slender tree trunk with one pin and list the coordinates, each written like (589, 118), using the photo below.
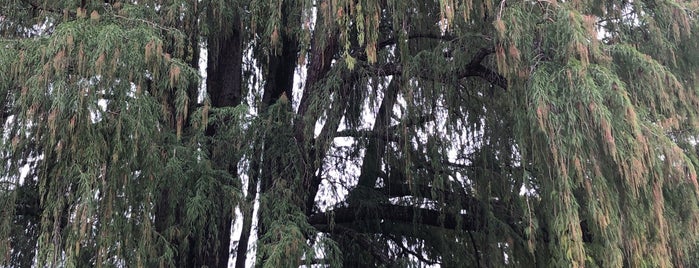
(247, 210)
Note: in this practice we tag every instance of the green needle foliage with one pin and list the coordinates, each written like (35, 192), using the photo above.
(354, 133)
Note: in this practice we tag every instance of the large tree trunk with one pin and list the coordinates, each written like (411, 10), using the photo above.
(224, 85)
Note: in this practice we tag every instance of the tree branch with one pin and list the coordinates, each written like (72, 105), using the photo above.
(475, 249)
(354, 133)
(40, 7)
(474, 68)
(326, 221)
(412, 252)
(363, 241)
(361, 52)
(436, 36)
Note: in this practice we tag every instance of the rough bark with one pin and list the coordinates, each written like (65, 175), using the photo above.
(224, 85)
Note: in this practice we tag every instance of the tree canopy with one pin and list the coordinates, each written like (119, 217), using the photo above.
(357, 133)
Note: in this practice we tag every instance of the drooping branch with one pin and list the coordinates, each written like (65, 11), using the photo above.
(390, 134)
(474, 68)
(365, 133)
(412, 252)
(361, 53)
(43, 7)
(454, 197)
(435, 36)
(349, 216)
(365, 242)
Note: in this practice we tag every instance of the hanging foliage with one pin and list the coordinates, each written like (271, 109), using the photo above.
(181, 133)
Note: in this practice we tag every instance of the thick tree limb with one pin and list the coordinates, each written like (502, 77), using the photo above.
(375, 149)
(395, 214)
(389, 134)
(361, 53)
(323, 142)
(474, 68)
(435, 36)
(324, 47)
(365, 133)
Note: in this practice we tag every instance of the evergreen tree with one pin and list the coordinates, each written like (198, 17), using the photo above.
(451, 132)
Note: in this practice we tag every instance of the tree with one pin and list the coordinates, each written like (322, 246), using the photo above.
(489, 133)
